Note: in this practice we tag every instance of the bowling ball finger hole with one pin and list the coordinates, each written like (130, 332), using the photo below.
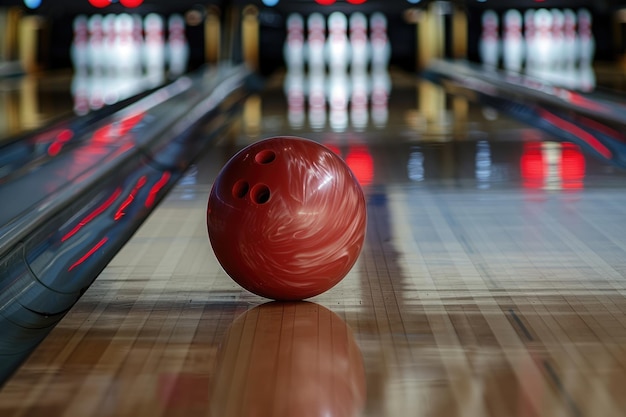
(240, 189)
(260, 194)
(265, 157)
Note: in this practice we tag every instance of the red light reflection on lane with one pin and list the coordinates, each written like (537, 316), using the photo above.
(103, 135)
(131, 197)
(532, 165)
(600, 127)
(129, 122)
(581, 100)
(88, 254)
(572, 167)
(550, 166)
(583, 135)
(98, 210)
(112, 131)
(157, 187)
(61, 138)
(360, 161)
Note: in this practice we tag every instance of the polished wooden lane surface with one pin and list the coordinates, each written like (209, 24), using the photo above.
(29, 102)
(476, 294)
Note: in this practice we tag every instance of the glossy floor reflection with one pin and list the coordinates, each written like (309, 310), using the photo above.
(288, 358)
(492, 283)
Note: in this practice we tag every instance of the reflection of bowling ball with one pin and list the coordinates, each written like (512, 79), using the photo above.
(288, 359)
(286, 218)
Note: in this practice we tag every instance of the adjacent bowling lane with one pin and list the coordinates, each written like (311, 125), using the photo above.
(33, 101)
(30, 102)
(492, 283)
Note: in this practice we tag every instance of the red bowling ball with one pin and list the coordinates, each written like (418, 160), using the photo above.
(286, 218)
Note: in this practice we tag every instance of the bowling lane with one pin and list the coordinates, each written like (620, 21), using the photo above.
(30, 102)
(34, 101)
(492, 283)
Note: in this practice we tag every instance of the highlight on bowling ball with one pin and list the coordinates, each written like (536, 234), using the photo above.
(286, 218)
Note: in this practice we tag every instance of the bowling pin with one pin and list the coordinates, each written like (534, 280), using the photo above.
(154, 48)
(513, 51)
(489, 44)
(542, 45)
(316, 41)
(293, 50)
(570, 49)
(558, 61)
(125, 51)
(587, 48)
(359, 43)
(109, 40)
(337, 44)
(380, 46)
(97, 50)
(585, 35)
(177, 46)
(138, 45)
(80, 45)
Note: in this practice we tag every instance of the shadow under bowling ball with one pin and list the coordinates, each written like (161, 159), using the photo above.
(289, 359)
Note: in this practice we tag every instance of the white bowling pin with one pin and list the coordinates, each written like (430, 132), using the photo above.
(97, 55)
(110, 39)
(489, 44)
(177, 46)
(138, 45)
(381, 48)
(154, 48)
(80, 45)
(293, 49)
(570, 49)
(558, 61)
(359, 43)
(316, 41)
(542, 45)
(125, 51)
(585, 36)
(587, 78)
(337, 43)
(513, 51)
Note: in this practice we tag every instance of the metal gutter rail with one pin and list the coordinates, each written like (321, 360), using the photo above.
(64, 218)
(596, 121)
